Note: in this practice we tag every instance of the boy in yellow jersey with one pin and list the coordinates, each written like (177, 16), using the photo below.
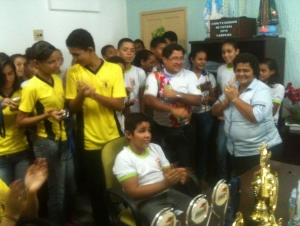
(95, 91)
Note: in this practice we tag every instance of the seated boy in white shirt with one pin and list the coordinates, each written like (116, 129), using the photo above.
(144, 172)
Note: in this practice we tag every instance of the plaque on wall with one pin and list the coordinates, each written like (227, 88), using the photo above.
(236, 27)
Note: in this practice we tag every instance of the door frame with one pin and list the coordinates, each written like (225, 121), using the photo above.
(165, 11)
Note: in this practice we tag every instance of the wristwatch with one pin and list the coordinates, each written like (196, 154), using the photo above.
(178, 95)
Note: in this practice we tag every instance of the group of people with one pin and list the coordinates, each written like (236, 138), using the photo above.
(139, 93)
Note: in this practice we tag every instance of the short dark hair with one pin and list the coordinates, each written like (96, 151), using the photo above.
(17, 55)
(5, 61)
(144, 55)
(171, 35)
(247, 58)
(231, 42)
(168, 50)
(133, 119)
(156, 41)
(116, 60)
(40, 51)
(105, 48)
(140, 41)
(120, 43)
(272, 65)
(81, 39)
(194, 53)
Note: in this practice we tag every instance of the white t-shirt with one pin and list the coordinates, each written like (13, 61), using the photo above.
(202, 79)
(225, 75)
(277, 96)
(135, 78)
(23, 84)
(148, 168)
(184, 82)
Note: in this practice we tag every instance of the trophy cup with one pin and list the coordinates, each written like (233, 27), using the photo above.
(165, 217)
(219, 201)
(198, 212)
(239, 221)
(265, 189)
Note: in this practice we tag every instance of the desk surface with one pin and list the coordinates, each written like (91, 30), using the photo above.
(288, 178)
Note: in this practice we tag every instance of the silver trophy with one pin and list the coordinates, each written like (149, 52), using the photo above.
(219, 201)
(165, 217)
(198, 212)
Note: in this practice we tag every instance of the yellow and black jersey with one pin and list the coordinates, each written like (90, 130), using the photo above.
(99, 123)
(15, 139)
(39, 96)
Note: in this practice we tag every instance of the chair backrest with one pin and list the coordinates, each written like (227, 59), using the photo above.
(108, 156)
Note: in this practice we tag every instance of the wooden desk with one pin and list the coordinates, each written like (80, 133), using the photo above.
(288, 179)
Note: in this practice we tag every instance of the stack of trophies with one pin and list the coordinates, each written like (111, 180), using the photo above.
(223, 206)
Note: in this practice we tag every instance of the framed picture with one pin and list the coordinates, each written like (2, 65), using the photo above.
(75, 5)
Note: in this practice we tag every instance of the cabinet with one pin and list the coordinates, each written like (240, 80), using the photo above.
(262, 47)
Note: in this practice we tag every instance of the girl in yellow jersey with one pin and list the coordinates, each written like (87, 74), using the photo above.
(43, 97)
(14, 155)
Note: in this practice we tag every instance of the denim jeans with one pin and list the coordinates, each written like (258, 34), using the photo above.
(14, 166)
(60, 169)
(222, 151)
(202, 125)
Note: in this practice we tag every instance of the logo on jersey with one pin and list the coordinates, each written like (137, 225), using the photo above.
(199, 87)
(146, 87)
(157, 160)
(104, 84)
(132, 82)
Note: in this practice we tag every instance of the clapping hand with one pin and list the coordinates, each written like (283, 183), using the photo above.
(231, 92)
(85, 89)
(15, 199)
(36, 175)
(173, 176)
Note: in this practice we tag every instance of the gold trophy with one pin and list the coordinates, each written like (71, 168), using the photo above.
(265, 189)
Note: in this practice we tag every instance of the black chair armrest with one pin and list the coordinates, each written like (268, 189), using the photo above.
(196, 182)
(125, 198)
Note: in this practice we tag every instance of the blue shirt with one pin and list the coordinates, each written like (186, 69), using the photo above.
(244, 136)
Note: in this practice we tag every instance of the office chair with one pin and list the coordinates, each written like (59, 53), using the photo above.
(121, 207)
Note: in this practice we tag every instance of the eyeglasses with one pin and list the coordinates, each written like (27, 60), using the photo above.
(176, 59)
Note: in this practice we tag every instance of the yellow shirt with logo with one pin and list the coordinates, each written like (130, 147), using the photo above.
(39, 96)
(15, 139)
(4, 189)
(99, 123)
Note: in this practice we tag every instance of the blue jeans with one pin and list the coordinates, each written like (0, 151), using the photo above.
(202, 125)
(61, 170)
(222, 150)
(14, 166)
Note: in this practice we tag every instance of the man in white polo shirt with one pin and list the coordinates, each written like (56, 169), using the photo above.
(171, 93)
